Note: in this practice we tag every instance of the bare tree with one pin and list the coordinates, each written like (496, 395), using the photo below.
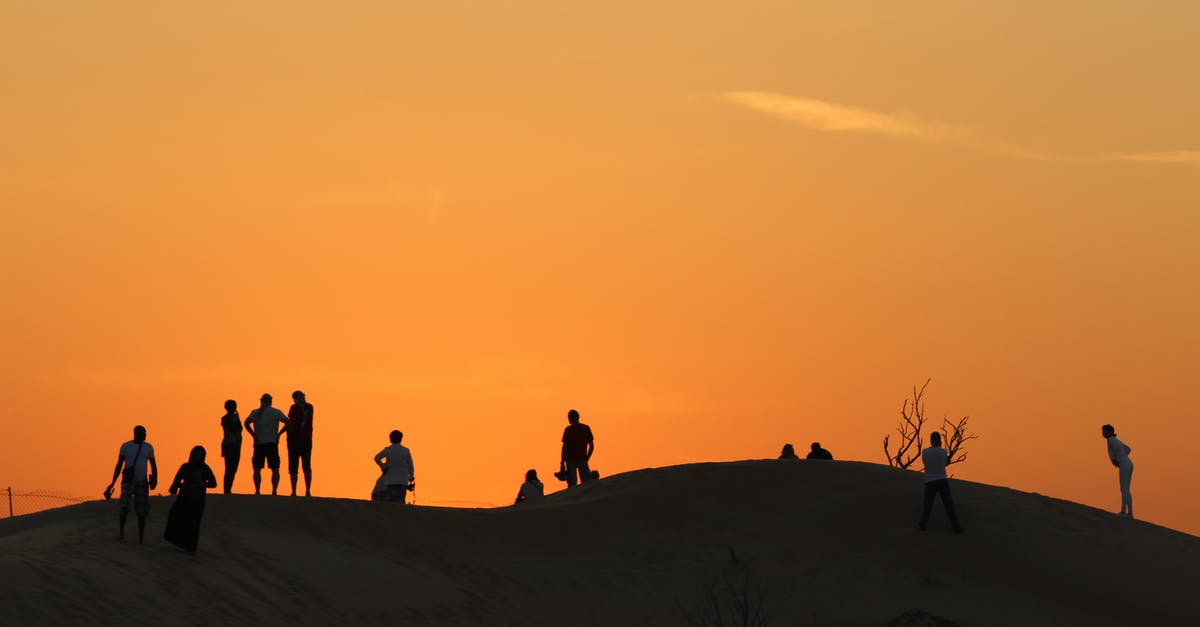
(908, 449)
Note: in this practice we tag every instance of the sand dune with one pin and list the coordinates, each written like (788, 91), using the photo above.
(824, 544)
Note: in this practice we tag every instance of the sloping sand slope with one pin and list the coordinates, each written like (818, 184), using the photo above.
(824, 543)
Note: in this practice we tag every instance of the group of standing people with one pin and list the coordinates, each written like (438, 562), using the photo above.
(138, 469)
(265, 425)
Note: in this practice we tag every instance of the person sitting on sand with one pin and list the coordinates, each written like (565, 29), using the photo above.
(788, 452)
(1118, 454)
(937, 483)
(191, 483)
(532, 489)
(818, 453)
(135, 489)
(397, 465)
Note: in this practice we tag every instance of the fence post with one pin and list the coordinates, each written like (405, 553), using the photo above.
(10, 515)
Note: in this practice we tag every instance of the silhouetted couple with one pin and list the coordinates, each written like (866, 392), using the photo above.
(789, 452)
(396, 464)
(265, 425)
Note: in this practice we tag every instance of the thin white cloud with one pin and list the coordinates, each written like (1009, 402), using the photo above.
(833, 117)
(1183, 157)
(829, 116)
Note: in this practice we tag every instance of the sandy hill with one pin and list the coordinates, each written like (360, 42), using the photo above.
(815, 543)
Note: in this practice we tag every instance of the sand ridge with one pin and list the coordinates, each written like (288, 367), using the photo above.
(818, 543)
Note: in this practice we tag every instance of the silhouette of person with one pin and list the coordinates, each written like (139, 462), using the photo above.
(937, 483)
(818, 453)
(299, 440)
(231, 443)
(1118, 454)
(191, 482)
(532, 488)
(265, 425)
(788, 452)
(397, 465)
(132, 459)
(577, 448)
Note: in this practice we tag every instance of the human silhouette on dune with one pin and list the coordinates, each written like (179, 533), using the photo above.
(532, 489)
(819, 453)
(1118, 454)
(577, 448)
(264, 425)
(132, 461)
(300, 440)
(937, 483)
(191, 483)
(788, 452)
(397, 465)
(231, 443)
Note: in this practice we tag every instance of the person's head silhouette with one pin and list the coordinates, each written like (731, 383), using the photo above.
(1108, 431)
(935, 438)
(266, 400)
(531, 475)
(139, 434)
(788, 452)
(298, 396)
(573, 416)
(198, 455)
(230, 405)
(816, 446)
(395, 436)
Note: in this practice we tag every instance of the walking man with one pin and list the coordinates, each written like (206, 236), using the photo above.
(577, 448)
(936, 482)
(265, 425)
(1118, 454)
(132, 460)
(397, 465)
(299, 440)
(231, 443)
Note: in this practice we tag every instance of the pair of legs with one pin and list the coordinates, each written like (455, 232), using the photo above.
(580, 467)
(939, 487)
(300, 451)
(135, 496)
(1126, 476)
(233, 458)
(268, 453)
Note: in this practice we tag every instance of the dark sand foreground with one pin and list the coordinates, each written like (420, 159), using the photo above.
(820, 543)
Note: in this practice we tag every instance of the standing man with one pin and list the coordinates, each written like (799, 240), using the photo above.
(936, 482)
(577, 448)
(1118, 454)
(397, 465)
(132, 460)
(265, 425)
(299, 440)
(231, 443)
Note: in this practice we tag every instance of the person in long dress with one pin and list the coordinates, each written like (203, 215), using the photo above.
(190, 485)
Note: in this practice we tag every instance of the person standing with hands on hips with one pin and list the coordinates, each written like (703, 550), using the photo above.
(265, 425)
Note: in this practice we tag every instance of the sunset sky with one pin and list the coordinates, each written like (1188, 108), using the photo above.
(710, 227)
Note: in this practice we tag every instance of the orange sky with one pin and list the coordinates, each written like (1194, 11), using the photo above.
(712, 229)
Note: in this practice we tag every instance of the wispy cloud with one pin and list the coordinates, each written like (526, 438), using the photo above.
(829, 116)
(1185, 157)
(833, 117)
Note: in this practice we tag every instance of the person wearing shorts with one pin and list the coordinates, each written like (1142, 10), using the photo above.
(265, 425)
(133, 458)
(299, 440)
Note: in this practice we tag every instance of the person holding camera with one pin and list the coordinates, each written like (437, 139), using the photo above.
(132, 460)
(397, 465)
(577, 448)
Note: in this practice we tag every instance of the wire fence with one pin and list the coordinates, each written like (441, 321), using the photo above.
(21, 502)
